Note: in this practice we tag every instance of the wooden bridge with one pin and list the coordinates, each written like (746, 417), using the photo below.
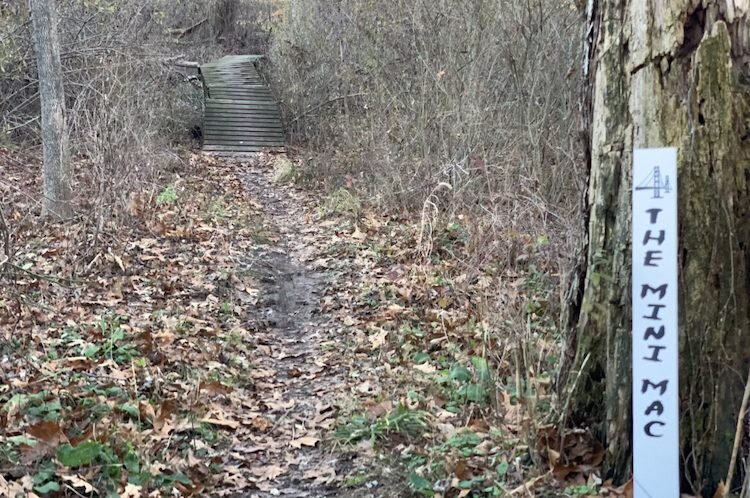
(240, 114)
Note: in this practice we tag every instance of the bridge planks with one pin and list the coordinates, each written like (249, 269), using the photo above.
(240, 113)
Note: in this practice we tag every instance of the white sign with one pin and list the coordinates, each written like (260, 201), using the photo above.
(656, 466)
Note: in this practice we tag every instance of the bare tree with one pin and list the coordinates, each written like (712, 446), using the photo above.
(668, 73)
(224, 18)
(57, 174)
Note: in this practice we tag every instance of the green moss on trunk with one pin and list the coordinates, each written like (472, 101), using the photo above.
(684, 95)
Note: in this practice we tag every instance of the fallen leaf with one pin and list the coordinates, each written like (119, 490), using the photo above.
(32, 454)
(378, 339)
(304, 441)
(368, 388)
(425, 368)
(267, 473)
(261, 424)
(221, 421)
(47, 432)
(553, 456)
(528, 486)
(215, 387)
(79, 482)
(131, 491)
(324, 474)
(463, 471)
(721, 490)
(380, 409)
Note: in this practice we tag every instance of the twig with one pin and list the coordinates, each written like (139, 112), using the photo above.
(566, 406)
(527, 486)
(14, 128)
(5, 239)
(33, 382)
(61, 281)
(5, 234)
(329, 101)
(280, 419)
(71, 488)
(17, 470)
(573, 388)
(738, 434)
(746, 481)
(181, 33)
(179, 61)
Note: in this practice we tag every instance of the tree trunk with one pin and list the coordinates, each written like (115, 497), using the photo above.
(224, 19)
(56, 173)
(666, 73)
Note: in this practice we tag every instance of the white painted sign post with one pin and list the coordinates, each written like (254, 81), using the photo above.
(655, 334)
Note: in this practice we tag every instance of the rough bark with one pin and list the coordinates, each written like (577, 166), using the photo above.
(667, 73)
(224, 18)
(56, 170)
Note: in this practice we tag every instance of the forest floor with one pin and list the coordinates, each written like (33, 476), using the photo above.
(240, 336)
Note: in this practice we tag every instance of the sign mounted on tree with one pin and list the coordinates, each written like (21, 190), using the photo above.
(655, 333)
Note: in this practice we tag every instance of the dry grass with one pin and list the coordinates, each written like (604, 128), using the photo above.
(457, 118)
(127, 103)
(398, 97)
(461, 115)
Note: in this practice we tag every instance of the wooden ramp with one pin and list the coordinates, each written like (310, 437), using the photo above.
(240, 113)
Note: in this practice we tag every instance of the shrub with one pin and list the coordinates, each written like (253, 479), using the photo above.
(402, 95)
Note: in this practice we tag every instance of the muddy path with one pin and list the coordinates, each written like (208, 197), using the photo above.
(224, 344)
(298, 379)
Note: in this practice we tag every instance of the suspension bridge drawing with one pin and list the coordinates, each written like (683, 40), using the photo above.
(655, 182)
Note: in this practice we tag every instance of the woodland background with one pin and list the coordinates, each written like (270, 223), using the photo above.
(459, 121)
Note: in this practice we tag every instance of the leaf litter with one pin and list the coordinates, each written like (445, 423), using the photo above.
(240, 338)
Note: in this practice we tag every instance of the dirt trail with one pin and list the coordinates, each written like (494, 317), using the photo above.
(293, 342)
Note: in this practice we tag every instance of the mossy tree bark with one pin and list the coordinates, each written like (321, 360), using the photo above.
(666, 73)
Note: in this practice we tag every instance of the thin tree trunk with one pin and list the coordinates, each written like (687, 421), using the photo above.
(56, 173)
(667, 73)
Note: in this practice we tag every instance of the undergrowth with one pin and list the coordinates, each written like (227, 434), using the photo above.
(460, 135)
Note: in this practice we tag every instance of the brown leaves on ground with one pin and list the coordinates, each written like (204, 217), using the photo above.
(471, 345)
(217, 339)
(144, 348)
(572, 456)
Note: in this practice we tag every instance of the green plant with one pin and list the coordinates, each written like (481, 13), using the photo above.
(115, 345)
(44, 479)
(471, 393)
(226, 309)
(341, 202)
(420, 357)
(8, 453)
(465, 442)
(453, 236)
(412, 332)
(401, 420)
(462, 386)
(218, 209)
(284, 170)
(41, 405)
(167, 196)
(355, 480)
(108, 463)
(420, 485)
(583, 490)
